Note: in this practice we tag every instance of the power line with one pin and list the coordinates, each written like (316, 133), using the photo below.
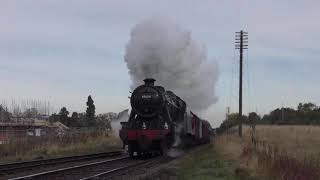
(247, 72)
(231, 95)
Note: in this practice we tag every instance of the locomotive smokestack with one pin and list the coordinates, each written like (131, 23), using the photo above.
(149, 81)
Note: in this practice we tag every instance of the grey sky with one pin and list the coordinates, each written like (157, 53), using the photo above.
(64, 50)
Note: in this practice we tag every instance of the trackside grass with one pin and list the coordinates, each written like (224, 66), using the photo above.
(206, 163)
(280, 153)
(84, 143)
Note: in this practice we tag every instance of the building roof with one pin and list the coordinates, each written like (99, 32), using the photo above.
(35, 123)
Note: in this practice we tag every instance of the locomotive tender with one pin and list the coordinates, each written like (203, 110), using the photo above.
(158, 120)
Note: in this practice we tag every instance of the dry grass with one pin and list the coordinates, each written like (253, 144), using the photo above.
(231, 147)
(298, 141)
(49, 147)
(282, 152)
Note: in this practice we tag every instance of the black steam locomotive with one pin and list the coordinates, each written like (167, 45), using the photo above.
(159, 119)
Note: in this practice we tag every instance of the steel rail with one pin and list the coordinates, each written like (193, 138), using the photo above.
(47, 173)
(114, 170)
(5, 168)
(123, 168)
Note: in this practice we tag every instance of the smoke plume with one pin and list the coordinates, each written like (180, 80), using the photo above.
(115, 121)
(160, 49)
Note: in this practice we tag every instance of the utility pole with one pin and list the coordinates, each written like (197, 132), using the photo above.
(241, 44)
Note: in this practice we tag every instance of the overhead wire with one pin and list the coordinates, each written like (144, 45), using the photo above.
(247, 72)
(231, 90)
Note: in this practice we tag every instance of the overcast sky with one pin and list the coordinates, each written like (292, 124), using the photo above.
(62, 51)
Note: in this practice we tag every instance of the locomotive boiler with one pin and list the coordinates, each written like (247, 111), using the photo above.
(157, 118)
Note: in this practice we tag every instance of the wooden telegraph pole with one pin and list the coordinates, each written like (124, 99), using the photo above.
(241, 44)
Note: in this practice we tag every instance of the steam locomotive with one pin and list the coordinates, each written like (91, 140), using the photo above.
(159, 120)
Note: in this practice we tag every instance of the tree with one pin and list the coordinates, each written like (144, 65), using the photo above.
(230, 122)
(54, 117)
(90, 113)
(64, 116)
(4, 114)
(103, 121)
(64, 112)
(30, 112)
(83, 122)
(253, 117)
(74, 120)
(306, 113)
(74, 115)
(300, 107)
(233, 117)
(307, 107)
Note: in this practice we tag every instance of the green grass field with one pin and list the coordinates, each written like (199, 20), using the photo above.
(204, 164)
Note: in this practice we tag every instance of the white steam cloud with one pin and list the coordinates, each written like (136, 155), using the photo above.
(160, 49)
(115, 122)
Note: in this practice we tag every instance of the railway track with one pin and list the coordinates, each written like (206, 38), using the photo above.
(87, 171)
(35, 163)
(123, 170)
(119, 167)
(7, 170)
